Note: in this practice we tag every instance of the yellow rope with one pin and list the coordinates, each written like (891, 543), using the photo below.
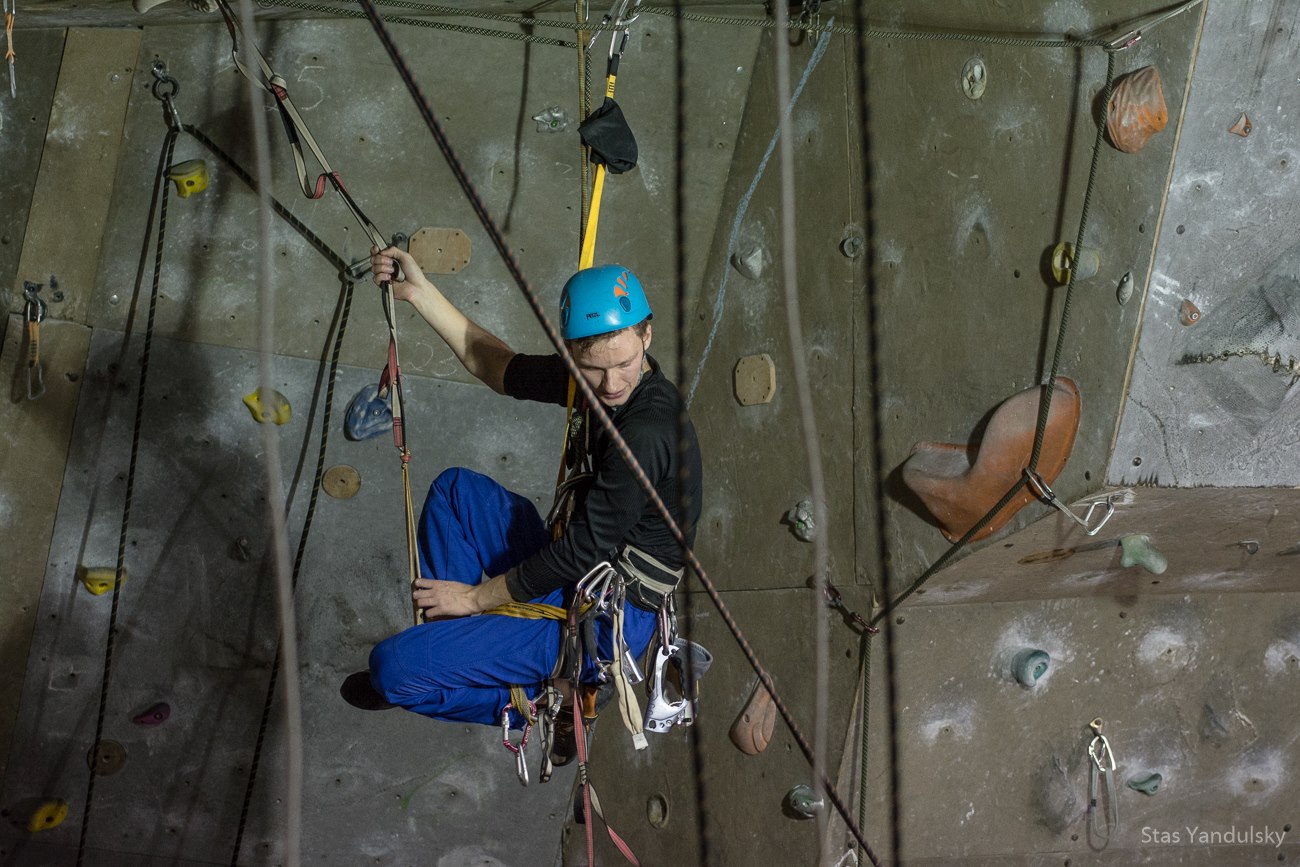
(528, 611)
(412, 556)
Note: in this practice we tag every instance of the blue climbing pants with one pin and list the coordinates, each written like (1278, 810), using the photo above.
(472, 529)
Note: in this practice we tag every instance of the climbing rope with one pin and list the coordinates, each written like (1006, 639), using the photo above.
(390, 381)
(512, 265)
(343, 12)
(157, 206)
(807, 417)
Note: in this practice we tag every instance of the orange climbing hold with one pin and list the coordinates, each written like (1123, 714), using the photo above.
(959, 484)
(1137, 110)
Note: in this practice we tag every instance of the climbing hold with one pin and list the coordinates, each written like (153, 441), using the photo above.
(156, 715)
(1242, 127)
(1137, 110)
(50, 814)
(1147, 784)
(750, 262)
(959, 483)
(1029, 665)
(804, 802)
(99, 580)
(106, 758)
(1065, 258)
(656, 810)
(800, 519)
(755, 379)
(752, 730)
(1189, 313)
(551, 119)
(341, 482)
(974, 78)
(1125, 289)
(1138, 551)
(276, 409)
(241, 549)
(190, 177)
(1250, 546)
(440, 251)
(368, 415)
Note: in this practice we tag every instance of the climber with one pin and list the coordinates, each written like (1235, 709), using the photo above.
(481, 545)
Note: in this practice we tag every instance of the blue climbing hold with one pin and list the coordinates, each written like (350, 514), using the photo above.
(1029, 665)
(368, 415)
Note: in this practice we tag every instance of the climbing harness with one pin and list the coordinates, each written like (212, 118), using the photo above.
(11, 8)
(1101, 789)
(1042, 490)
(390, 381)
(34, 309)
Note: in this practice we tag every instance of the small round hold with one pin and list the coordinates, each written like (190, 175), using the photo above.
(155, 715)
(804, 802)
(341, 482)
(851, 247)
(106, 758)
(656, 810)
(1029, 665)
(1147, 784)
(1189, 313)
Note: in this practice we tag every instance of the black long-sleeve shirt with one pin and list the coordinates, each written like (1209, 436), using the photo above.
(614, 510)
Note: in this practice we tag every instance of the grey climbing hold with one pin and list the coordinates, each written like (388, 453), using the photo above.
(1138, 551)
(1029, 665)
(1125, 289)
(750, 262)
(804, 802)
(800, 519)
(368, 415)
(551, 119)
(1147, 784)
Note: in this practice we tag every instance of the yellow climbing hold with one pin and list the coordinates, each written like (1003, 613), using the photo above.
(276, 409)
(190, 177)
(48, 815)
(98, 580)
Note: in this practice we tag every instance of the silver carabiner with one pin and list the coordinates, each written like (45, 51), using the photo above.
(1039, 487)
(521, 760)
(1103, 756)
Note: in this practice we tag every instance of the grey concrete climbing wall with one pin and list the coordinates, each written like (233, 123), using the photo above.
(1213, 399)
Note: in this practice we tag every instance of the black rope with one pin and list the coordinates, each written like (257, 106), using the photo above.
(316, 242)
(703, 847)
(158, 204)
(498, 241)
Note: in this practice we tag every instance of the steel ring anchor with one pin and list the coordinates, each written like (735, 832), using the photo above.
(164, 89)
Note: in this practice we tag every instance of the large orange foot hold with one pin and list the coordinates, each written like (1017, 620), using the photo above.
(959, 484)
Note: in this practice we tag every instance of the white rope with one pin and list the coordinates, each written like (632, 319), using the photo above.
(274, 477)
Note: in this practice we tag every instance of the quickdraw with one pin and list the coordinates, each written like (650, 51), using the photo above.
(34, 313)
(390, 381)
(11, 9)
(1101, 789)
(1038, 485)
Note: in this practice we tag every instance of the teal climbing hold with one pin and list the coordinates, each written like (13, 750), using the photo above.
(1138, 551)
(1029, 665)
(1148, 784)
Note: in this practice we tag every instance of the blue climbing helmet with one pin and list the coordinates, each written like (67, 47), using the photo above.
(601, 300)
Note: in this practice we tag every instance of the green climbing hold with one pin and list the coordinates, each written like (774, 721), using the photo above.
(1147, 785)
(1029, 665)
(1138, 551)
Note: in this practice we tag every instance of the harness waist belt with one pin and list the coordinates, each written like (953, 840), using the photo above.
(648, 580)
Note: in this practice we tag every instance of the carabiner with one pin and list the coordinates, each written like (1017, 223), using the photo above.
(1039, 487)
(521, 760)
(162, 81)
(1103, 756)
